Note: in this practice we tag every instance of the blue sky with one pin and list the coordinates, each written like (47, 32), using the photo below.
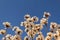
(14, 10)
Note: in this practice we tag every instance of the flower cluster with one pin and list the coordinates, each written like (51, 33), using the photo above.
(32, 29)
(7, 36)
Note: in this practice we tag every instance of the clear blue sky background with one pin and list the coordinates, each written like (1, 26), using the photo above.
(14, 10)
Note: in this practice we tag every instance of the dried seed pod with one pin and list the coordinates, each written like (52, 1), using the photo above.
(35, 19)
(37, 28)
(26, 16)
(27, 30)
(19, 31)
(8, 37)
(41, 26)
(58, 32)
(50, 34)
(2, 31)
(15, 28)
(7, 24)
(43, 21)
(31, 33)
(53, 25)
(24, 23)
(16, 37)
(40, 36)
(29, 20)
(48, 38)
(37, 38)
(32, 25)
(27, 26)
(46, 14)
(55, 36)
(26, 38)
